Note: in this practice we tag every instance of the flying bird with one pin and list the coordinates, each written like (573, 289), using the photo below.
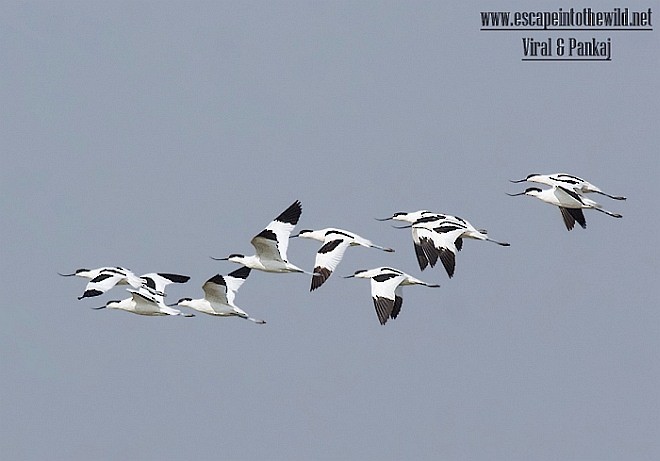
(386, 289)
(92, 273)
(439, 236)
(105, 278)
(566, 181)
(143, 302)
(271, 244)
(570, 204)
(438, 240)
(155, 282)
(219, 294)
(335, 242)
(413, 216)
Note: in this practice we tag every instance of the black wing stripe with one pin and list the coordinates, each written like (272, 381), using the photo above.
(384, 277)
(329, 246)
(334, 231)
(431, 218)
(447, 228)
(102, 276)
(572, 193)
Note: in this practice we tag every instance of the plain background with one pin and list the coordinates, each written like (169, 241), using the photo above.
(156, 134)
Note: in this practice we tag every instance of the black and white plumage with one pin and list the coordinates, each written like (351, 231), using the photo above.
(335, 242)
(155, 282)
(143, 302)
(271, 244)
(105, 278)
(567, 181)
(219, 294)
(439, 236)
(442, 239)
(570, 204)
(91, 273)
(386, 291)
(413, 216)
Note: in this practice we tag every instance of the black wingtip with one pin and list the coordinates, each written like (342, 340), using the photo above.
(241, 273)
(292, 214)
(448, 259)
(175, 278)
(90, 294)
(321, 274)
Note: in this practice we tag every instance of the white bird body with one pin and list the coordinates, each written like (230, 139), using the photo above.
(567, 181)
(92, 273)
(441, 241)
(335, 242)
(570, 203)
(271, 244)
(469, 231)
(142, 302)
(428, 218)
(105, 278)
(386, 291)
(413, 216)
(155, 282)
(219, 294)
(440, 236)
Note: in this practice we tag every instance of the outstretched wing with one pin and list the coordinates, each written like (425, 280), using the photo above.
(438, 243)
(215, 290)
(102, 283)
(424, 247)
(328, 257)
(273, 241)
(570, 215)
(156, 282)
(234, 280)
(383, 289)
(144, 304)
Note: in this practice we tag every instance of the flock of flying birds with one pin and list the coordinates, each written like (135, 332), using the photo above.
(436, 237)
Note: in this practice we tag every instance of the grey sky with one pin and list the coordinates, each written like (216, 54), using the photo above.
(154, 135)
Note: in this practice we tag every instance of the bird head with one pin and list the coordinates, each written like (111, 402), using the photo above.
(531, 191)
